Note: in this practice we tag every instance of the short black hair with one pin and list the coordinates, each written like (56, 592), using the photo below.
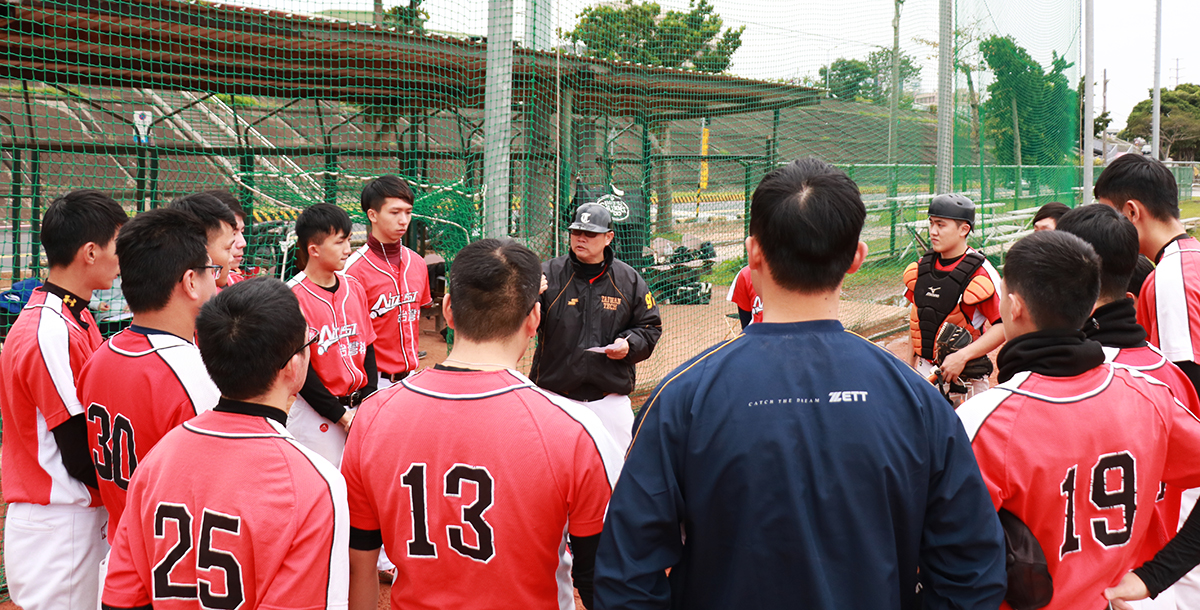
(247, 333)
(76, 219)
(1058, 276)
(208, 209)
(316, 223)
(1115, 240)
(1054, 209)
(807, 217)
(493, 285)
(383, 187)
(154, 250)
(1145, 179)
(230, 201)
(1140, 273)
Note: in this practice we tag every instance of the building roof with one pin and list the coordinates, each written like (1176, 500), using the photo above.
(165, 44)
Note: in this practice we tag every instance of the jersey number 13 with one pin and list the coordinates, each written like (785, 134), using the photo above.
(472, 515)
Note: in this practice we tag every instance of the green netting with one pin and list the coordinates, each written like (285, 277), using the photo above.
(676, 109)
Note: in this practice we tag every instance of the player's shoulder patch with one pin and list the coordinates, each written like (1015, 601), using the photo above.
(296, 279)
(910, 276)
(979, 289)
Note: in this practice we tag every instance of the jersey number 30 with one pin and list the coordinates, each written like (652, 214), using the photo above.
(115, 441)
(1124, 498)
(420, 545)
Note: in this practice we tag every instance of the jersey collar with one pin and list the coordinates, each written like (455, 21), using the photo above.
(229, 405)
(1158, 257)
(75, 303)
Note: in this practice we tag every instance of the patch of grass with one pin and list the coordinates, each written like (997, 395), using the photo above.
(724, 272)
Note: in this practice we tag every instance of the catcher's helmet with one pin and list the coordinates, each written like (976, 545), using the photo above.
(957, 207)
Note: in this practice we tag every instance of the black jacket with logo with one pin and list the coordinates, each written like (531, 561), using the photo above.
(580, 312)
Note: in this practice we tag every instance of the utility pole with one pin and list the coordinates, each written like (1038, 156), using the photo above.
(1089, 90)
(1104, 110)
(945, 113)
(895, 101)
(1176, 72)
(1155, 119)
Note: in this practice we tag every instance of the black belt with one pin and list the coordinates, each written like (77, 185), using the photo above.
(352, 400)
(394, 377)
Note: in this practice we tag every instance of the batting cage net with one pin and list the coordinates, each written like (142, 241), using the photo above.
(505, 115)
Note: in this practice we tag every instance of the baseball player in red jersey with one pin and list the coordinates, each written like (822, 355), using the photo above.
(342, 365)
(395, 278)
(1144, 191)
(742, 294)
(148, 378)
(221, 225)
(953, 283)
(230, 511)
(54, 530)
(239, 238)
(1069, 446)
(467, 473)
(1113, 324)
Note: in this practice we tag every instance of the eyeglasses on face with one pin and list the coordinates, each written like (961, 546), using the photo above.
(216, 269)
(582, 233)
(312, 338)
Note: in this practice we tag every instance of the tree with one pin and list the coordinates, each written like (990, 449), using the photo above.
(411, 17)
(641, 33)
(879, 89)
(845, 78)
(1179, 129)
(1031, 114)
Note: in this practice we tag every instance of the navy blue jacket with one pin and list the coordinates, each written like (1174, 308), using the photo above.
(799, 465)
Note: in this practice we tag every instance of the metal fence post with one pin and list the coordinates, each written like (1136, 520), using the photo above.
(893, 192)
(15, 213)
(153, 178)
(35, 219)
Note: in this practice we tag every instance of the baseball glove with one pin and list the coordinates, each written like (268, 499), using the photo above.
(951, 338)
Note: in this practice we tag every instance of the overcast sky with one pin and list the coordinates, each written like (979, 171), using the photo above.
(786, 39)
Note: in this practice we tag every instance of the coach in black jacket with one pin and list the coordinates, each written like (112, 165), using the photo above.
(593, 300)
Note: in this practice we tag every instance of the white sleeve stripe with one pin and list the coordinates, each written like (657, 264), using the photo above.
(184, 360)
(974, 412)
(1171, 306)
(338, 587)
(610, 453)
(733, 286)
(54, 343)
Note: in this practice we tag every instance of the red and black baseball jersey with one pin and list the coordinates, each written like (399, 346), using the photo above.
(1150, 361)
(395, 295)
(1079, 460)
(987, 310)
(45, 349)
(229, 511)
(1169, 305)
(235, 277)
(471, 477)
(342, 321)
(742, 294)
(136, 388)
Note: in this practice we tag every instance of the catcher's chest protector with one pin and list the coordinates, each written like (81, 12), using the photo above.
(936, 296)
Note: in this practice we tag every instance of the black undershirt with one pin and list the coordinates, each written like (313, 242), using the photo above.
(319, 397)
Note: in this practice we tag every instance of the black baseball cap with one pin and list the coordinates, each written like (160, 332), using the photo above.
(592, 217)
